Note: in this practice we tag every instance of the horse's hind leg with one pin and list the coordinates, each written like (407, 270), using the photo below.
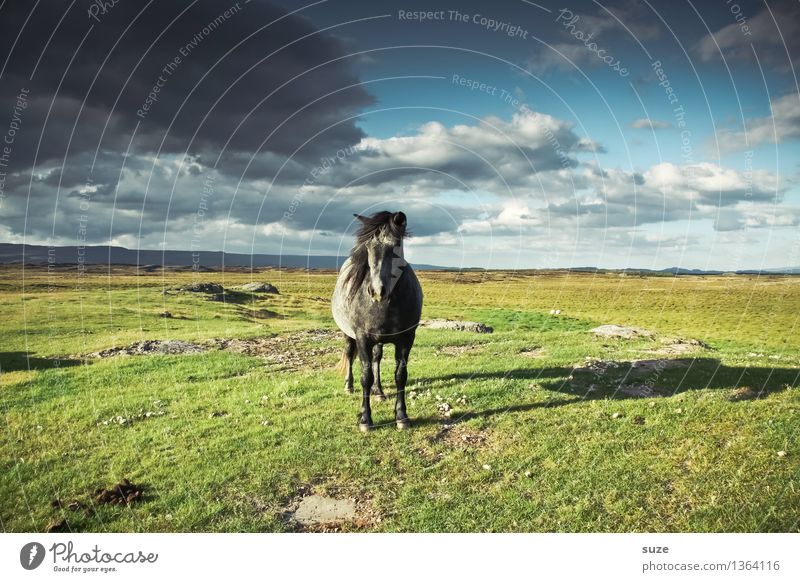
(350, 353)
(400, 377)
(377, 356)
(365, 347)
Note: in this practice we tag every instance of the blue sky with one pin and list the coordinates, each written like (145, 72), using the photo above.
(505, 150)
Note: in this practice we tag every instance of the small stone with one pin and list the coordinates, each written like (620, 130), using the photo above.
(679, 411)
(487, 467)
(616, 415)
(528, 474)
(781, 453)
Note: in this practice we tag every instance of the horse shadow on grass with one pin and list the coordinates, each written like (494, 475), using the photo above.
(16, 361)
(622, 380)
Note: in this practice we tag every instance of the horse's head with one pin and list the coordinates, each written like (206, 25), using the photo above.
(381, 237)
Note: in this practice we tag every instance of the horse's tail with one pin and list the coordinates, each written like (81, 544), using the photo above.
(343, 365)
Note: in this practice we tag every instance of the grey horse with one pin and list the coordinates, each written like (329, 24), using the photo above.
(377, 300)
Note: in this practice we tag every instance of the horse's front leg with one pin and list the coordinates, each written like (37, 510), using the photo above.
(400, 378)
(365, 347)
(377, 356)
(350, 354)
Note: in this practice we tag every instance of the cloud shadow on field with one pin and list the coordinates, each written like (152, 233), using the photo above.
(16, 361)
(624, 381)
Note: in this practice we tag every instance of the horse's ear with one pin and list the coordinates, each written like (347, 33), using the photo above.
(361, 219)
(399, 219)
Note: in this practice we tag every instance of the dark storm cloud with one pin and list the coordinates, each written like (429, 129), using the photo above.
(770, 36)
(106, 75)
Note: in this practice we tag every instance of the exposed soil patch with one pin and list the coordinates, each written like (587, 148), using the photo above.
(290, 352)
(635, 379)
(257, 287)
(646, 367)
(622, 332)
(533, 352)
(644, 391)
(123, 493)
(150, 347)
(461, 437)
(458, 350)
(679, 346)
(744, 393)
(454, 325)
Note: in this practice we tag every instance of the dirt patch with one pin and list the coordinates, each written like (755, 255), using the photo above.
(461, 437)
(646, 367)
(458, 350)
(533, 352)
(290, 352)
(622, 332)
(743, 393)
(679, 346)
(643, 391)
(150, 347)
(257, 287)
(454, 325)
(123, 493)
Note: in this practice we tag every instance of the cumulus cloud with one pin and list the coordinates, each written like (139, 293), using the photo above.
(782, 125)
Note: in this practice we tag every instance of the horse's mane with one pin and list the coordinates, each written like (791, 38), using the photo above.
(370, 226)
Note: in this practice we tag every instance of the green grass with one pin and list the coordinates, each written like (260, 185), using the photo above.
(230, 440)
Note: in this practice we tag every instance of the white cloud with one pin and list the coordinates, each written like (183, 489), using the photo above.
(649, 124)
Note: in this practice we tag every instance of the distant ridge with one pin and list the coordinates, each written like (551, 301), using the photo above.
(103, 255)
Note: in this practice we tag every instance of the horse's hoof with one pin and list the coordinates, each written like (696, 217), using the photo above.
(364, 427)
(379, 395)
(404, 424)
(348, 389)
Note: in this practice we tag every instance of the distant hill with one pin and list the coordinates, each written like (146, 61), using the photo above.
(104, 255)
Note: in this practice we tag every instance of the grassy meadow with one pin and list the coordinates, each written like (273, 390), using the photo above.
(524, 429)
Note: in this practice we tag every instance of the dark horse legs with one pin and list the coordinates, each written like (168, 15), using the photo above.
(365, 347)
(400, 376)
(350, 351)
(377, 356)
